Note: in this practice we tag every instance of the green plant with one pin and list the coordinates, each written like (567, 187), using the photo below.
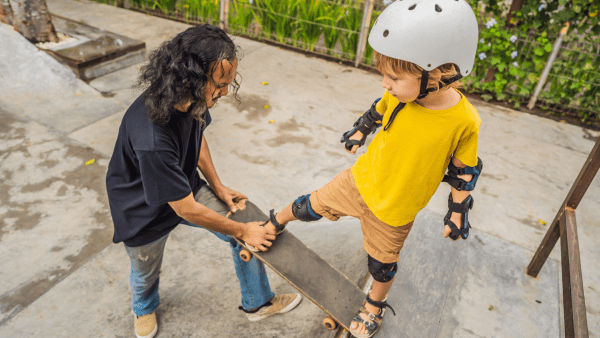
(351, 22)
(331, 33)
(311, 11)
(166, 6)
(241, 15)
(498, 50)
(201, 10)
(574, 80)
(276, 17)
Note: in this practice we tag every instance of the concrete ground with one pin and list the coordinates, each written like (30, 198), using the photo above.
(62, 277)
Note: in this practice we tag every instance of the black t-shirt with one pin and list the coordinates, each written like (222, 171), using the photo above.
(152, 164)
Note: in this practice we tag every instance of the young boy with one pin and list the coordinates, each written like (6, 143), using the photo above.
(420, 47)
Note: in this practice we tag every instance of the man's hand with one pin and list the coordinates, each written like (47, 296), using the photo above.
(357, 136)
(230, 197)
(457, 219)
(258, 236)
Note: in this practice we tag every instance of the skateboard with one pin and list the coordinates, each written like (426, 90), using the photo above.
(306, 271)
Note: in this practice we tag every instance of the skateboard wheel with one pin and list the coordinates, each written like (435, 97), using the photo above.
(245, 255)
(330, 323)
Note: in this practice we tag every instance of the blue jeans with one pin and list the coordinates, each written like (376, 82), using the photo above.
(146, 261)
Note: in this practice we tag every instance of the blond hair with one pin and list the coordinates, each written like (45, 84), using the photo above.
(443, 72)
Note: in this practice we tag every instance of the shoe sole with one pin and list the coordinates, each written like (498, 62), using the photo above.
(288, 308)
(151, 335)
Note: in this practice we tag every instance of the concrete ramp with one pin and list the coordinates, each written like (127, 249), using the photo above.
(199, 291)
(472, 288)
(36, 86)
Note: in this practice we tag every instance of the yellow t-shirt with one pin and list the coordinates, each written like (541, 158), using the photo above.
(404, 165)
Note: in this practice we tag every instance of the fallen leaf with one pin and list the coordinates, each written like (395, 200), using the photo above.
(271, 121)
(542, 221)
(78, 94)
(264, 83)
(266, 106)
(90, 162)
(491, 307)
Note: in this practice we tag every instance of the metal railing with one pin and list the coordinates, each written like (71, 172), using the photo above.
(564, 227)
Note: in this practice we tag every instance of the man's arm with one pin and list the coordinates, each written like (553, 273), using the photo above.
(457, 196)
(194, 212)
(251, 233)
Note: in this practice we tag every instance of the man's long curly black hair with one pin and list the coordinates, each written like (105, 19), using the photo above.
(179, 70)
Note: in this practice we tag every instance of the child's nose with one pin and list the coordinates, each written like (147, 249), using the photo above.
(385, 84)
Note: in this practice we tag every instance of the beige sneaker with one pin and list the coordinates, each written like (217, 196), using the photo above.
(145, 326)
(279, 304)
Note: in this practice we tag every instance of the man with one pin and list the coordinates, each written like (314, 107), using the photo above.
(153, 183)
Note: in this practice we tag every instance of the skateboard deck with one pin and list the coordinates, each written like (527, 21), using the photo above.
(306, 271)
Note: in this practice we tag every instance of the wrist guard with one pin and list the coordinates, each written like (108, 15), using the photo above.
(462, 208)
(367, 123)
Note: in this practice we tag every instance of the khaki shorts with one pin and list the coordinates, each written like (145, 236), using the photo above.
(340, 197)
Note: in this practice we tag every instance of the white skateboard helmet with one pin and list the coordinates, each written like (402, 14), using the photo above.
(428, 33)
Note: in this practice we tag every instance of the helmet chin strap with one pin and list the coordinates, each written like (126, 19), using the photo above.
(424, 91)
(424, 81)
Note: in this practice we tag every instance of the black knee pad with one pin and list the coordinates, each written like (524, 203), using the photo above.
(303, 211)
(382, 272)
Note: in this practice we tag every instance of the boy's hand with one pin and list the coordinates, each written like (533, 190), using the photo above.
(357, 136)
(258, 236)
(457, 219)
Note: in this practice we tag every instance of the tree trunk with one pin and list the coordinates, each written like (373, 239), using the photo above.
(6, 14)
(32, 19)
(515, 6)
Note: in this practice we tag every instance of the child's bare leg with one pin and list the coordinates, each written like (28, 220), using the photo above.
(378, 293)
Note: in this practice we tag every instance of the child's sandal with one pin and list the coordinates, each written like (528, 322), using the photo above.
(375, 320)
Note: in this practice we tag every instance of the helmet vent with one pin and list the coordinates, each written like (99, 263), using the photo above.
(438, 8)
(386, 33)
(412, 7)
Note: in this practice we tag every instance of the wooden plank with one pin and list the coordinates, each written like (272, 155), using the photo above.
(306, 271)
(578, 190)
(573, 294)
(364, 31)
